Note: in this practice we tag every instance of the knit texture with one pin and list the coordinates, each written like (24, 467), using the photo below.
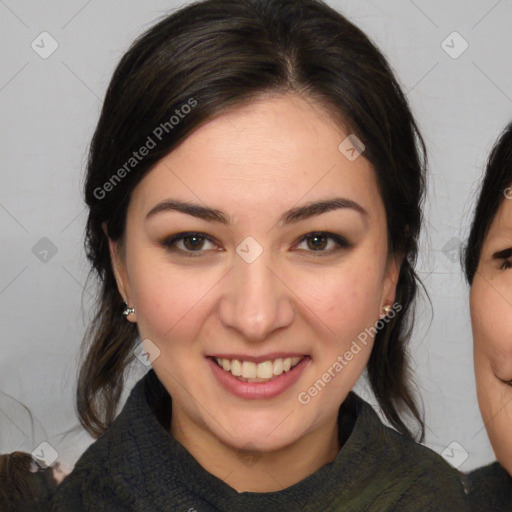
(490, 489)
(138, 466)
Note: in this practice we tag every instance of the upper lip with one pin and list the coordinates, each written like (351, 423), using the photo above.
(258, 359)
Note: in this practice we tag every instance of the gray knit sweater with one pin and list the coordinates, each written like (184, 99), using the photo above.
(138, 466)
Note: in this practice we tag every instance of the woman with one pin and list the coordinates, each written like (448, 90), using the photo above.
(24, 485)
(487, 262)
(254, 188)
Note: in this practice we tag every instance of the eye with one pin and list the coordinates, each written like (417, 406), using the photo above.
(318, 241)
(504, 257)
(191, 242)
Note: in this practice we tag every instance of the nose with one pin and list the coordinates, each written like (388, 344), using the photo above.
(256, 299)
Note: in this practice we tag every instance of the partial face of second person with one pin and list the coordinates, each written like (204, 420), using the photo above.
(303, 295)
(491, 315)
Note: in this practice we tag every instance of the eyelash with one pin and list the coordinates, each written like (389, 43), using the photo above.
(170, 243)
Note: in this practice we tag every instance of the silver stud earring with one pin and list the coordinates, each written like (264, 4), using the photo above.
(127, 311)
(387, 309)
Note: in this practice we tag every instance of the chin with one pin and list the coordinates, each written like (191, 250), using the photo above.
(266, 437)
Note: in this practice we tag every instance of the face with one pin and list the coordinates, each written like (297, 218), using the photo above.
(491, 317)
(251, 276)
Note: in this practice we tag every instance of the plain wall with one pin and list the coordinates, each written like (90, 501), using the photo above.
(49, 108)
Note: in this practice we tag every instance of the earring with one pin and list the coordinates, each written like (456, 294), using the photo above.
(387, 309)
(127, 311)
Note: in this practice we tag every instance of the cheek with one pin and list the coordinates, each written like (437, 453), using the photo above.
(169, 300)
(346, 299)
(495, 401)
(491, 318)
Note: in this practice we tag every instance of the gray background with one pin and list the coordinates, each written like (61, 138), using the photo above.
(49, 108)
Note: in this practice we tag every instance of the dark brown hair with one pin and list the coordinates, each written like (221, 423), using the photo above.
(495, 187)
(221, 54)
(24, 485)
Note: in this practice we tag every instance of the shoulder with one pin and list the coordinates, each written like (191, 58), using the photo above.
(90, 484)
(407, 454)
(490, 488)
(89, 473)
(413, 476)
(109, 470)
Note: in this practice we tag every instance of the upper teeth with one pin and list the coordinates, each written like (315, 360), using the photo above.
(264, 370)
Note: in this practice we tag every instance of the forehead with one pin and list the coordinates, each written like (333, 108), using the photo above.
(501, 225)
(281, 149)
(285, 124)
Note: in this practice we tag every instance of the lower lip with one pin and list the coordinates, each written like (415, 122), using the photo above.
(258, 390)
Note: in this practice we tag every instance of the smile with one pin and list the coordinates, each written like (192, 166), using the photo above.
(241, 378)
(248, 371)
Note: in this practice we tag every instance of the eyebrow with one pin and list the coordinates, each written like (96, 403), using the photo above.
(505, 253)
(291, 216)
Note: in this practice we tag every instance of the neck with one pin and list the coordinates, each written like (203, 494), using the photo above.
(252, 471)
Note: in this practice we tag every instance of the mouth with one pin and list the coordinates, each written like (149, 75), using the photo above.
(258, 378)
(258, 372)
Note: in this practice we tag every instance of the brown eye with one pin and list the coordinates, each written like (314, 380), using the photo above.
(505, 257)
(191, 242)
(319, 241)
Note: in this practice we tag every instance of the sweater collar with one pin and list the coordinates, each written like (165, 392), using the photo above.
(152, 463)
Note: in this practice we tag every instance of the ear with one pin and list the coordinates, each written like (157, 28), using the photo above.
(390, 280)
(118, 262)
